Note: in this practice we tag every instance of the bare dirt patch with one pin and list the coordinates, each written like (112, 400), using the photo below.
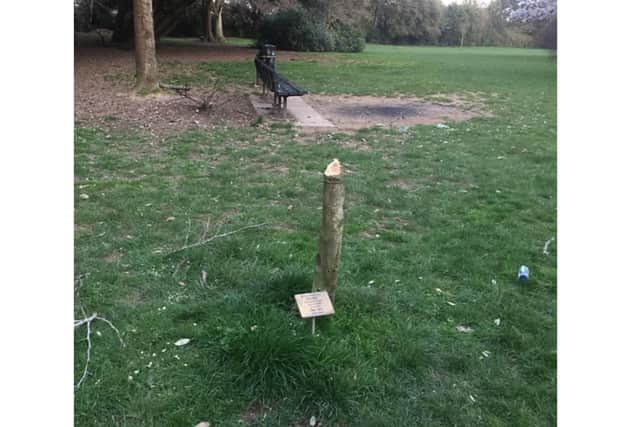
(105, 101)
(355, 112)
(104, 96)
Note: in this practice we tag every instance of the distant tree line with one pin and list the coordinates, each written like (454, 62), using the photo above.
(343, 25)
(517, 23)
(457, 24)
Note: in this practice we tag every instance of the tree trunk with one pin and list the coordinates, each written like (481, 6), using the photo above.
(330, 246)
(462, 39)
(219, 33)
(208, 28)
(204, 10)
(146, 66)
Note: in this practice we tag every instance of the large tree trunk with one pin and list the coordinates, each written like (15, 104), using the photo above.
(214, 11)
(208, 28)
(219, 33)
(146, 65)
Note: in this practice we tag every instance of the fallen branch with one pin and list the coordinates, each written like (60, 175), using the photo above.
(202, 103)
(217, 236)
(87, 321)
(178, 267)
(79, 282)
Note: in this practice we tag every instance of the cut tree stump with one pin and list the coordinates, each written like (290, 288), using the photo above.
(328, 258)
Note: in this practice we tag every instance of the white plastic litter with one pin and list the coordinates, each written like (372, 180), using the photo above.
(181, 342)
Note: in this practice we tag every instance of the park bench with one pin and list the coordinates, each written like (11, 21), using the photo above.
(281, 87)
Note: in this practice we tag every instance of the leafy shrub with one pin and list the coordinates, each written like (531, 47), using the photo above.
(238, 20)
(281, 29)
(316, 38)
(348, 38)
(293, 29)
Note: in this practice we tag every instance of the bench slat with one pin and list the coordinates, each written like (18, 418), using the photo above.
(276, 83)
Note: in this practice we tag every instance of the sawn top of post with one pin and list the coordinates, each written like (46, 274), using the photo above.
(333, 172)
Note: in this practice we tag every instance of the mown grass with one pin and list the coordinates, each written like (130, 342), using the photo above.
(437, 223)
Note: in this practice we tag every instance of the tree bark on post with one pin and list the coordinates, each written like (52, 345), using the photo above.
(146, 65)
(330, 245)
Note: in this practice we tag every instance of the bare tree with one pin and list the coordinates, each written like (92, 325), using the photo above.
(532, 10)
(146, 65)
(542, 12)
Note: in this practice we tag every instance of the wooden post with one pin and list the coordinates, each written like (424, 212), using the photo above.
(328, 258)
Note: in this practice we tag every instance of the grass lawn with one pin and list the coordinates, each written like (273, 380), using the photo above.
(437, 223)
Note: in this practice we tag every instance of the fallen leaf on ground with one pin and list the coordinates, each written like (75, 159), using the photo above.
(181, 342)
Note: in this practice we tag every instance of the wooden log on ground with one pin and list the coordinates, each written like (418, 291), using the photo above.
(330, 245)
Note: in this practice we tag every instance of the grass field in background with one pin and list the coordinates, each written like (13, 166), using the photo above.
(437, 223)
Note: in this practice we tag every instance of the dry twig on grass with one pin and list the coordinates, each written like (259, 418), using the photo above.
(202, 103)
(204, 241)
(87, 321)
(78, 282)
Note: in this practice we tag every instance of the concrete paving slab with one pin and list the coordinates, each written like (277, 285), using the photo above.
(262, 105)
(304, 115)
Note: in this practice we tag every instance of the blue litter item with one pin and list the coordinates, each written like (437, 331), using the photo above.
(523, 273)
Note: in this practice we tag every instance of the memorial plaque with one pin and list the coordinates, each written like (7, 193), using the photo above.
(314, 304)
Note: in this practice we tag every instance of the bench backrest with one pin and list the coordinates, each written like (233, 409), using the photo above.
(275, 82)
(267, 74)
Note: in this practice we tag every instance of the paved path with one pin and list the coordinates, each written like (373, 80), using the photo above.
(303, 113)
